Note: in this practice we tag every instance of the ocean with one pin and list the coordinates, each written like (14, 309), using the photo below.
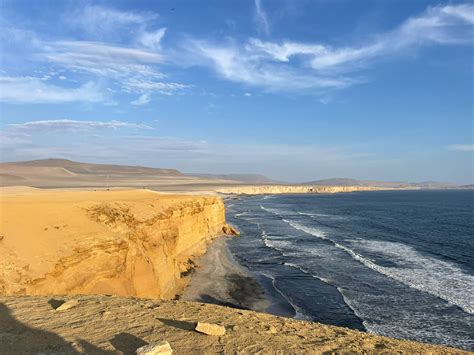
(394, 263)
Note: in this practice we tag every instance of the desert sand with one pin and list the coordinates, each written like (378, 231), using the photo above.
(100, 324)
(141, 247)
(129, 243)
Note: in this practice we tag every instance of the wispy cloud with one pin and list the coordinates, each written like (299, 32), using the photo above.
(261, 17)
(450, 24)
(293, 66)
(240, 64)
(101, 58)
(141, 100)
(73, 125)
(26, 89)
(100, 20)
(146, 86)
(152, 40)
(461, 147)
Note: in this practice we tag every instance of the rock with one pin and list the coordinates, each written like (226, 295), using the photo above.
(157, 348)
(229, 230)
(67, 305)
(272, 329)
(210, 329)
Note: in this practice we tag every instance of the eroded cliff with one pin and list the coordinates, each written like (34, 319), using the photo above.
(128, 243)
(293, 189)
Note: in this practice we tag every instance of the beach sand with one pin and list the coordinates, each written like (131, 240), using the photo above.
(218, 279)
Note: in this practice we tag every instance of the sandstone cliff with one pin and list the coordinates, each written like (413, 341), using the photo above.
(129, 243)
(294, 189)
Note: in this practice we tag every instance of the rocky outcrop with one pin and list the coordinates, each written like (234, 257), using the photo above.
(102, 324)
(128, 243)
(295, 189)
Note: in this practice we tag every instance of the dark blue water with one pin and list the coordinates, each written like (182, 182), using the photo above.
(395, 263)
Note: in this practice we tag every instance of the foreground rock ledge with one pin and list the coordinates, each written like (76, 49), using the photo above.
(101, 324)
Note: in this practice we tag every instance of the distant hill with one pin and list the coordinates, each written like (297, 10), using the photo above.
(354, 182)
(247, 178)
(394, 184)
(88, 168)
(63, 172)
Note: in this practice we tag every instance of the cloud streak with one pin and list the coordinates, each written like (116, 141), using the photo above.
(239, 64)
(261, 17)
(34, 90)
(442, 25)
(51, 126)
(293, 66)
(461, 147)
(101, 20)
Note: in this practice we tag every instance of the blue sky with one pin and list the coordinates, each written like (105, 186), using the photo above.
(296, 90)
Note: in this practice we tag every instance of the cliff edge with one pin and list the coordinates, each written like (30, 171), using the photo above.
(295, 189)
(120, 325)
(128, 243)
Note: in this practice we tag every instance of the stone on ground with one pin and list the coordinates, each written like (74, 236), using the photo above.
(158, 348)
(210, 329)
(67, 305)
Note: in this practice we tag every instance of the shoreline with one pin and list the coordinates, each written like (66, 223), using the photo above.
(219, 279)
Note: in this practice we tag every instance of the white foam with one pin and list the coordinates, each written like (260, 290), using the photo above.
(306, 272)
(276, 244)
(439, 278)
(272, 210)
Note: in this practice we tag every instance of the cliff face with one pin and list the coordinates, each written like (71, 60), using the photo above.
(287, 189)
(128, 243)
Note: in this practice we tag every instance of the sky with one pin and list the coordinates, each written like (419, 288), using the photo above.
(295, 90)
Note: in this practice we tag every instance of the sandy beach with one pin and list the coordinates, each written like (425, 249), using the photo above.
(218, 279)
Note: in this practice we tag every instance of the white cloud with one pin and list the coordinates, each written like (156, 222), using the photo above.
(241, 64)
(73, 125)
(101, 20)
(247, 94)
(152, 40)
(290, 66)
(437, 25)
(461, 147)
(261, 17)
(141, 100)
(101, 58)
(134, 70)
(35, 90)
(144, 86)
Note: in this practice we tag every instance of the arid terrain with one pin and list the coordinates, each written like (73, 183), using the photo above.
(100, 324)
(123, 254)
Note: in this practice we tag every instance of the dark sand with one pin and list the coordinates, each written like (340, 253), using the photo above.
(220, 280)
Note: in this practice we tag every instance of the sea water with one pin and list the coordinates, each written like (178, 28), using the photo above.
(394, 263)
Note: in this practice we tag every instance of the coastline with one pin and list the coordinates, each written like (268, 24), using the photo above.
(219, 279)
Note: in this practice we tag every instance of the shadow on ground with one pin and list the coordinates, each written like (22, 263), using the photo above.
(127, 343)
(20, 338)
(178, 324)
